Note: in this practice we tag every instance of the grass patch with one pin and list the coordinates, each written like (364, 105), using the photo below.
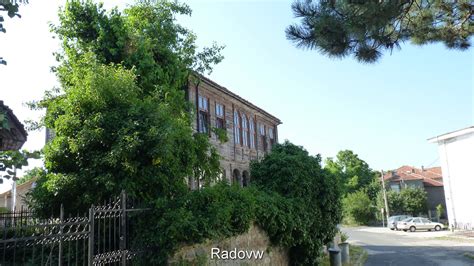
(358, 256)
(469, 255)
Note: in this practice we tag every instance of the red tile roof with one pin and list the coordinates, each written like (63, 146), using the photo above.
(430, 176)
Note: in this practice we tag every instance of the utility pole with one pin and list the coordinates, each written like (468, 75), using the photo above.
(385, 197)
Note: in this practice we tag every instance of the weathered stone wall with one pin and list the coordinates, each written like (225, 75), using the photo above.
(254, 240)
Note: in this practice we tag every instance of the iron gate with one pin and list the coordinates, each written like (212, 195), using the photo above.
(99, 238)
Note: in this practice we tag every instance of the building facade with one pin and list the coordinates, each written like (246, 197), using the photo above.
(251, 131)
(456, 153)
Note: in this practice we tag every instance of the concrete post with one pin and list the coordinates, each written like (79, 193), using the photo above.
(335, 257)
(344, 252)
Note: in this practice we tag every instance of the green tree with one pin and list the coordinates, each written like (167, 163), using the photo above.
(395, 202)
(352, 172)
(11, 7)
(30, 174)
(305, 207)
(365, 29)
(120, 116)
(10, 161)
(358, 207)
(414, 200)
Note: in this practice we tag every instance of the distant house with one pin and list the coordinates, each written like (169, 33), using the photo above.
(7, 201)
(456, 153)
(429, 179)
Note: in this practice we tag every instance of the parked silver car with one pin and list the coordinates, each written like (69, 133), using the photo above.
(418, 223)
(393, 220)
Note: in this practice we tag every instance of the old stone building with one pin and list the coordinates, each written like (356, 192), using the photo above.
(251, 130)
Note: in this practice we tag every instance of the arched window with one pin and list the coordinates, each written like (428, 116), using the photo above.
(236, 177)
(245, 178)
(252, 133)
(245, 131)
(236, 128)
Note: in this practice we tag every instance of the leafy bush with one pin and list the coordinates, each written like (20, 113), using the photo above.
(408, 201)
(414, 200)
(358, 207)
(301, 207)
(210, 213)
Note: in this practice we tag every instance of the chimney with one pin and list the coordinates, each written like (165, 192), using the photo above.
(422, 168)
(413, 170)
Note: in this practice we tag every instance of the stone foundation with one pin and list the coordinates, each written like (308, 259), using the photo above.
(233, 251)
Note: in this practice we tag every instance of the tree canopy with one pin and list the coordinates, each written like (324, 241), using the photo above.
(366, 29)
(120, 117)
(408, 201)
(352, 172)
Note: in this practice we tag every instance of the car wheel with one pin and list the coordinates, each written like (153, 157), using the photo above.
(437, 228)
(392, 229)
(412, 229)
(404, 230)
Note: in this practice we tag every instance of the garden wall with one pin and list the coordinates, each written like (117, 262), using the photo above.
(233, 251)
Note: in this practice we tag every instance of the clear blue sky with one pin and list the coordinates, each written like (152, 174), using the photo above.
(384, 112)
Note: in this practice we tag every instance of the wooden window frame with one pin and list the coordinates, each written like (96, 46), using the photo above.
(252, 133)
(220, 119)
(204, 111)
(245, 130)
(237, 137)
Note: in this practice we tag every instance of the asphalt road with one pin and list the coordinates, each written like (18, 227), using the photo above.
(386, 247)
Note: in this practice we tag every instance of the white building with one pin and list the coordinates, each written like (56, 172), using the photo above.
(456, 153)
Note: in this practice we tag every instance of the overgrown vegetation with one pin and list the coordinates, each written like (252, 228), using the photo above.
(120, 116)
(304, 207)
(358, 208)
(121, 121)
(292, 198)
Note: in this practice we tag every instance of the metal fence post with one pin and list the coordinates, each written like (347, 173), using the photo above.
(123, 224)
(61, 227)
(90, 256)
(335, 256)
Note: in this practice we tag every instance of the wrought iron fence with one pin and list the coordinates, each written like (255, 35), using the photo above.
(97, 238)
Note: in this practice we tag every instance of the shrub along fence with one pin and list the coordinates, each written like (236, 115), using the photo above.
(100, 237)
